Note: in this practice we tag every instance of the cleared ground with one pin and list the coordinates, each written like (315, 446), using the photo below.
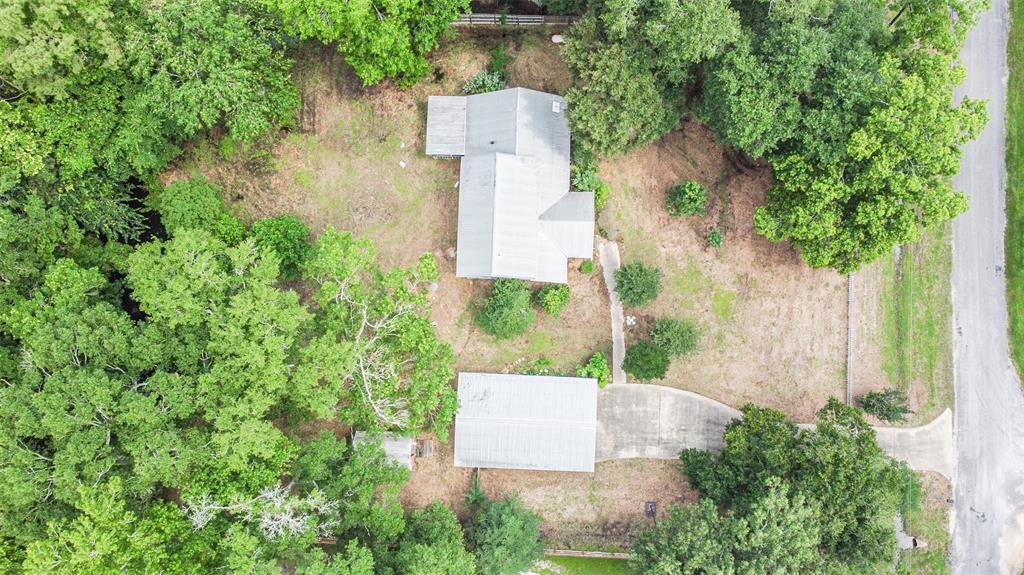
(580, 566)
(903, 325)
(774, 329)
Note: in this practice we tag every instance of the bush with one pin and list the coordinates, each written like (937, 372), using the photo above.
(584, 179)
(888, 405)
(288, 237)
(676, 337)
(499, 61)
(587, 267)
(484, 81)
(553, 298)
(504, 536)
(196, 204)
(597, 368)
(508, 311)
(687, 199)
(637, 284)
(715, 239)
(646, 361)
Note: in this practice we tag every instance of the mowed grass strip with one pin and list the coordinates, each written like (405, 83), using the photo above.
(1015, 182)
(582, 566)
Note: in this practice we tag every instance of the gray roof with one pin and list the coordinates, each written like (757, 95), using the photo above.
(517, 218)
(397, 449)
(526, 422)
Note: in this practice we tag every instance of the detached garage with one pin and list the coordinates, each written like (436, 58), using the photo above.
(526, 422)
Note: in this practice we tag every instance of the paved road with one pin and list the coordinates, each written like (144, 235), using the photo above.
(657, 422)
(988, 531)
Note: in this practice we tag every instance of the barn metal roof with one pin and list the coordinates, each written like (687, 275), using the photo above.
(397, 449)
(526, 422)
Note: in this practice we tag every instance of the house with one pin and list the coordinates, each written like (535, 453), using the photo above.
(517, 217)
(526, 422)
(397, 449)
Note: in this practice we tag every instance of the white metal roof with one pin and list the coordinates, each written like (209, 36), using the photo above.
(526, 422)
(397, 449)
(517, 218)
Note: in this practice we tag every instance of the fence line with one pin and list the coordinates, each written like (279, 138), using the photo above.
(591, 554)
(513, 20)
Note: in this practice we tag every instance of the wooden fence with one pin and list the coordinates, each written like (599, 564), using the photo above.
(513, 20)
(591, 554)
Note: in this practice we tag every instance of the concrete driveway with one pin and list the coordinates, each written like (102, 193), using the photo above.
(988, 531)
(656, 422)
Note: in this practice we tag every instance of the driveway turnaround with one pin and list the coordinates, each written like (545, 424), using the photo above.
(988, 531)
(657, 422)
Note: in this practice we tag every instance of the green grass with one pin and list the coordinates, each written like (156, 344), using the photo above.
(723, 304)
(918, 316)
(930, 523)
(582, 566)
(1015, 183)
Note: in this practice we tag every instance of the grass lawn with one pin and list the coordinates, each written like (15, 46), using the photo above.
(915, 294)
(1015, 182)
(581, 566)
(930, 523)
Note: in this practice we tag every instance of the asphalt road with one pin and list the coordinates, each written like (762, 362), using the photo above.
(988, 528)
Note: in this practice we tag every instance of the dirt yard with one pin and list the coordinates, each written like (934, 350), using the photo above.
(774, 330)
(599, 511)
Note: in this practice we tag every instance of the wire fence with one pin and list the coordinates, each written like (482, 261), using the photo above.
(513, 20)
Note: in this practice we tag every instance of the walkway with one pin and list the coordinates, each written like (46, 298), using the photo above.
(657, 422)
(608, 255)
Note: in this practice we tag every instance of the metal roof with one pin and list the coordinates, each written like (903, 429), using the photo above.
(397, 449)
(526, 422)
(517, 218)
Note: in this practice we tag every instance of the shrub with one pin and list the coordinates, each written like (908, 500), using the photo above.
(553, 298)
(888, 405)
(540, 366)
(715, 239)
(508, 311)
(687, 199)
(484, 81)
(504, 536)
(637, 284)
(584, 177)
(597, 368)
(499, 61)
(196, 204)
(587, 267)
(676, 337)
(646, 361)
(288, 237)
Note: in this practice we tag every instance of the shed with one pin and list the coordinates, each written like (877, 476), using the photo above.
(526, 422)
(397, 449)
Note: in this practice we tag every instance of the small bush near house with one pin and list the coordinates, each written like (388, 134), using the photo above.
(484, 81)
(715, 239)
(597, 368)
(587, 267)
(288, 237)
(508, 311)
(196, 204)
(585, 179)
(645, 361)
(676, 337)
(499, 61)
(687, 199)
(553, 298)
(637, 284)
(888, 405)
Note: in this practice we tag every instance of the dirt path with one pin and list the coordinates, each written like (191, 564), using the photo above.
(657, 422)
(988, 532)
(608, 253)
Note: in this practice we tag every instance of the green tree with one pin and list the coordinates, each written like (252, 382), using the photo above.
(646, 360)
(690, 540)
(553, 298)
(504, 536)
(637, 284)
(888, 405)
(288, 237)
(196, 204)
(387, 39)
(508, 312)
(677, 337)
(433, 544)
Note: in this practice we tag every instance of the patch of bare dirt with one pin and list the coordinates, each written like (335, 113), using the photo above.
(774, 330)
(579, 510)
